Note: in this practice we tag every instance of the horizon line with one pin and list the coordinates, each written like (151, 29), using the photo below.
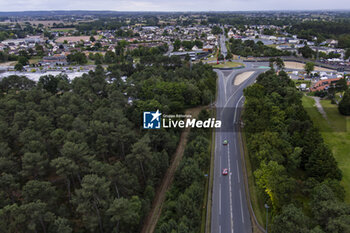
(184, 11)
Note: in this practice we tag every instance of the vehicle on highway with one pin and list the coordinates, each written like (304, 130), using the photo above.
(225, 142)
(225, 172)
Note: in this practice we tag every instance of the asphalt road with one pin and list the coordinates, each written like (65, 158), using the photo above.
(222, 42)
(230, 212)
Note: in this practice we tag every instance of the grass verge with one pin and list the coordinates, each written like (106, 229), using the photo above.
(228, 64)
(257, 203)
(206, 214)
(336, 134)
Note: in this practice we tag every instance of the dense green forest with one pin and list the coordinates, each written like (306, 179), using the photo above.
(183, 206)
(250, 48)
(73, 154)
(323, 30)
(294, 170)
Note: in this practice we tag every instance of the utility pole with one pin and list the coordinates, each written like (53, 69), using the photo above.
(267, 215)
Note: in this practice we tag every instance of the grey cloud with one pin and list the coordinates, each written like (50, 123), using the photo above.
(172, 5)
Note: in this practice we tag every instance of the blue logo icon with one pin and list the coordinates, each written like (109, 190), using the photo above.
(151, 120)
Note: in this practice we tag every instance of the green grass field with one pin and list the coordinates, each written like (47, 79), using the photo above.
(212, 58)
(336, 134)
(35, 60)
(272, 45)
(228, 64)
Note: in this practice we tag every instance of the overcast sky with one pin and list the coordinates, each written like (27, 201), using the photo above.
(173, 5)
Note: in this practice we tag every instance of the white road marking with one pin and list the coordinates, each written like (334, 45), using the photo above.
(229, 180)
(224, 81)
(219, 228)
(234, 119)
(240, 87)
(239, 181)
(220, 157)
(219, 199)
(240, 196)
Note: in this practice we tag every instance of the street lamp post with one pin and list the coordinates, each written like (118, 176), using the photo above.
(267, 215)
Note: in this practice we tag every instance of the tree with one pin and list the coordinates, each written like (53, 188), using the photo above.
(29, 217)
(140, 156)
(51, 83)
(77, 57)
(39, 49)
(309, 67)
(306, 52)
(66, 168)
(68, 151)
(216, 30)
(187, 57)
(39, 190)
(62, 225)
(92, 39)
(92, 201)
(109, 57)
(33, 164)
(229, 56)
(344, 104)
(341, 85)
(177, 44)
(347, 53)
(273, 179)
(23, 60)
(16, 83)
(322, 164)
(272, 62)
(125, 213)
(279, 63)
(8, 187)
(290, 220)
(18, 67)
(329, 212)
(221, 57)
(98, 59)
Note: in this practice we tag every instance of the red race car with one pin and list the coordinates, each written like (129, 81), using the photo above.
(225, 172)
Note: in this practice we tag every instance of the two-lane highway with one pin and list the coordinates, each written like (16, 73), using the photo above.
(230, 212)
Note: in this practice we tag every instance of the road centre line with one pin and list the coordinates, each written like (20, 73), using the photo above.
(230, 186)
(219, 199)
(239, 181)
(234, 119)
(240, 195)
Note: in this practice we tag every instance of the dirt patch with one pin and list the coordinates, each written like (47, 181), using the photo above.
(242, 77)
(319, 107)
(9, 63)
(300, 66)
(153, 216)
(73, 39)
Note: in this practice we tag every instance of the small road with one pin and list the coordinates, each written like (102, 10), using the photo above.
(230, 213)
(170, 49)
(151, 220)
(222, 42)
